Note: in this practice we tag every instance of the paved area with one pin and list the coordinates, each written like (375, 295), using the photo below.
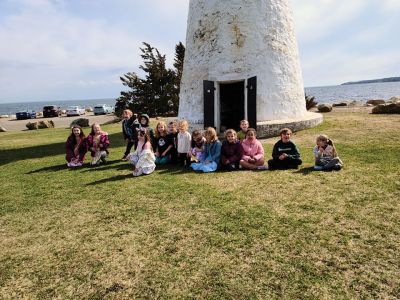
(59, 122)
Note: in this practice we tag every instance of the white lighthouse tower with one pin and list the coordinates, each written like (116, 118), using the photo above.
(242, 62)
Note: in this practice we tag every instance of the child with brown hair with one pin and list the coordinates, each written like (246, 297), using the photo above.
(253, 152)
(326, 157)
(244, 126)
(184, 139)
(163, 144)
(212, 153)
(143, 158)
(75, 147)
(285, 154)
(197, 146)
(231, 151)
(173, 136)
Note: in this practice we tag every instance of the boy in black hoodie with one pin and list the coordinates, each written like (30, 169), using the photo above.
(285, 154)
(144, 121)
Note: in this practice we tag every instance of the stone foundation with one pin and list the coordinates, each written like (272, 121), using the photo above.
(272, 128)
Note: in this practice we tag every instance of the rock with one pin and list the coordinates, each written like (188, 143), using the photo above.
(4, 116)
(39, 114)
(388, 108)
(376, 102)
(32, 125)
(63, 111)
(83, 122)
(394, 99)
(89, 109)
(13, 116)
(342, 103)
(2, 129)
(46, 124)
(40, 125)
(324, 107)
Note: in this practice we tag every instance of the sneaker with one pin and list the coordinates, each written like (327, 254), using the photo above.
(318, 168)
(262, 168)
(124, 158)
(337, 167)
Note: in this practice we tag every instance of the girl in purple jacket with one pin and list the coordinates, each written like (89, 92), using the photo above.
(231, 151)
(75, 147)
(98, 143)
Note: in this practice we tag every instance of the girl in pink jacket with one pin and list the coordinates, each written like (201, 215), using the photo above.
(253, 152)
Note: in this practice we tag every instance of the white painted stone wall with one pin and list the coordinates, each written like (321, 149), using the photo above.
(237, 39)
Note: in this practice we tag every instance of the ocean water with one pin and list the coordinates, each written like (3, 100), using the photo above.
(361, 92)
(12, 108)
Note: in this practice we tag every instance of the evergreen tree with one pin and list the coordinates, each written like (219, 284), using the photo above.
(158, 92)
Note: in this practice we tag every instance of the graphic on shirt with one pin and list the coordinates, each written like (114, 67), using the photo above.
(161, 142)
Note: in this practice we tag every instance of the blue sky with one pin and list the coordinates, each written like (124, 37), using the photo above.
(70, 49)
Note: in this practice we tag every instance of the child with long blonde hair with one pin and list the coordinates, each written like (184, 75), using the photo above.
(184, 139)
(163, 144)
(326, 157)
(98, 143)
(212, 152)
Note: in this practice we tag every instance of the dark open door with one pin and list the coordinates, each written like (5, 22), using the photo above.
(252, 101)
(208, 91)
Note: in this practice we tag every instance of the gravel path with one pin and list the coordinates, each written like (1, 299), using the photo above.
(59, 122)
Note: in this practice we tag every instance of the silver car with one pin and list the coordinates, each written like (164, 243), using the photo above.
(103, 109)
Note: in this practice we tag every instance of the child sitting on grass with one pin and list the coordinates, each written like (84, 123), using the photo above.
(197, 146)
(212, 153)
(326, 157)
(253, 152)
(231, 151)
(285, 154)
(244, 126)
(98, 143)
(143, 158)
(130, 125)
(163, 144)
(75, 147)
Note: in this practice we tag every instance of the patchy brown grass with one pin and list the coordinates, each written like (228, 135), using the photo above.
(100, 233)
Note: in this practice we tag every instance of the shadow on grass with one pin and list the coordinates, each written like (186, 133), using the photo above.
(49, 169)
(173, 170)
(111, 179)
(305, 171)
(12, 155)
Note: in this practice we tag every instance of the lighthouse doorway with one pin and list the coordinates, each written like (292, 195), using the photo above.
(232, 104)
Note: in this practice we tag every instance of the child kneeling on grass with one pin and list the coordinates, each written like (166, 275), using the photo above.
(98, 143)
(326, 157)
(253, 152)
(143, 158)
(285, 154)
(212, 153)
(75, 147)
(231, 151)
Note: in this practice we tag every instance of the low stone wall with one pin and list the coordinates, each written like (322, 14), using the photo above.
(272, 128)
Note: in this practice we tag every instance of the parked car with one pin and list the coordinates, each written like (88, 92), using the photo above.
(103, 109)
(51, 111)
(75, 111)
(26, 114)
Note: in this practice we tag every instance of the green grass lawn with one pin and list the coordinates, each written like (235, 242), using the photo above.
(95, 233)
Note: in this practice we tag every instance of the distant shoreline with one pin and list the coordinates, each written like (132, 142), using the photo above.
(381, 80)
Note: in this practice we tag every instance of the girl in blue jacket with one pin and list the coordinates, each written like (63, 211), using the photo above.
(212, 153)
